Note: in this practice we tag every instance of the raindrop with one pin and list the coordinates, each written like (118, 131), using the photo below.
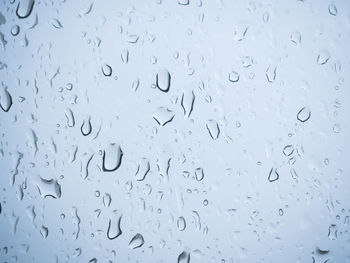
(136, 242)
(233, 76)
(132, 39)
(336, 128)
(49, 188)
(288, 150)
(106, 70)
(187, 102)
(199, 174)
(125, 56)
(273, 175)
(114, 229)
(56, 23)
(304, 114)
(44, 231)
(70, 118)
(15, 30)
(213, 129)
(332, 9)
(5, 99)
(332, 232)
(143, 168)
(184, 257)
(163, 79)
(86, 127)
(323, 56)
(24, 8)
(107, 199)
(112, 157)
(183, 2)
(181, 223)
(295, 37)
(271, 73)
(163, 116)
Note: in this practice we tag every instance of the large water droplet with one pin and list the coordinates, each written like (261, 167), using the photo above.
(163, 79)
(112, 157)
(5, 99)
(137, 241)
(114, 229)
(49, 188)
(24, 8)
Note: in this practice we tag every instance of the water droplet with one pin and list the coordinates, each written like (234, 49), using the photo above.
(24, 8)
(114, 229)
(295, 37)
(184, 257)
(280, 212)
(15, 30)
(49, 188)
(112, 157)
(86, 127)
(181, 223)
(183, 2)
(135, 84)
(213, 129)
(233, 76)
(56, 23)
(143, 168)
(125, 56)
(273, 175)
(163, 116)
(44, 231)
(336, 128)
(271, 73)
(187, 102)
(70, 118)
(288, 150)
(106, 70)
(107, 199)
(136, 242)
(5, 99)
(323, 56)
(304, 114)
(332, 9)
(163, 79)
(132, 39)
(332, 232)
(199, 174)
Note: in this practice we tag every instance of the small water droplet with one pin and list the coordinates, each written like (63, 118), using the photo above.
(273, 175)
(332, 9)
(5, 99)
(49, 188)
(332, 232)
(86, 127)
(181, 223)
(106, 70)
(143, 168)
(233, 76)
(213, 129)
(304, 114)
(199, 174)
(137, 241)
(184, 257)
(15, 30)
(183, 2)
(323, 56)
(288, 150)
